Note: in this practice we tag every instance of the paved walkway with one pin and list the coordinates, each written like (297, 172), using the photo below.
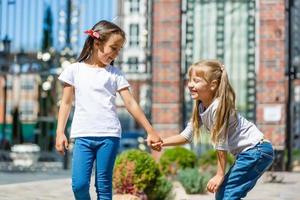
(58, 186)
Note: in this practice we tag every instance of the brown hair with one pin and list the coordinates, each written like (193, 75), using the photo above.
(105, 30)
(215, 70)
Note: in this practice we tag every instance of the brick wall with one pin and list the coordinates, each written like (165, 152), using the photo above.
(271, 80)
(1, 99)
(166, 90)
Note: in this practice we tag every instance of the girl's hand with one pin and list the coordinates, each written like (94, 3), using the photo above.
(153, 138)
(157, 145)
(61, 143)
(214, 183)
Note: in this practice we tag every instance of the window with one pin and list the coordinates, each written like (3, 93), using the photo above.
(134, 6)
(27, 83)
(27, 110)
(228, 20)
(133, 64)
(134, 35)
(9, 83)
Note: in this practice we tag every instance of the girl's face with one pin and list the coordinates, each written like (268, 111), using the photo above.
(109, 51)
(200, 88)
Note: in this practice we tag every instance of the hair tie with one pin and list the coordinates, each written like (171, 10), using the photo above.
(222, 68)
(92, 33)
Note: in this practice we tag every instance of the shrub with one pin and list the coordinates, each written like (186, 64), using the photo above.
(123, 178)
(161, 190)
(137, 173)
(209, 159)
(192, 181)
(176, 158)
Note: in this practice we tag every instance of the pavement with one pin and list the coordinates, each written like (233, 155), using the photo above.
(57, 185)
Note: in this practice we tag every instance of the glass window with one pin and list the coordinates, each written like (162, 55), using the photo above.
(133, 64)
(223, 35)
(134, 35)
(27, 110)
(27, 83)
(134, 6)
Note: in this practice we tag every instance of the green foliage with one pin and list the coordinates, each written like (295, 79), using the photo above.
(176, 158)
(209, 158)
(192, 181)
(137, 173)
(161, 190)
(123, 179)
(296, 154)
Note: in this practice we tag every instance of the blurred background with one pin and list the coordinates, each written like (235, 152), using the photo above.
(258, 41)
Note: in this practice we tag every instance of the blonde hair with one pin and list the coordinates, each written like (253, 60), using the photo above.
(214, 70)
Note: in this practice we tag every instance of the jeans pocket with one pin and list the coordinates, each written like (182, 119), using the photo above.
(269, 155)
(265, 160)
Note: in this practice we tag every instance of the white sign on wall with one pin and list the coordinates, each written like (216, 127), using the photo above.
(272, 113)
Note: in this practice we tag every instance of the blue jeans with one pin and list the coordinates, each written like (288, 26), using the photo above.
(245, 172)
(86, 151)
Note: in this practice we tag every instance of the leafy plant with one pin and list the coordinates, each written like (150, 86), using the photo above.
(176, 158)
(192, 181)
(137, 173)
(123, 178)
(161, 190)
(209, 159)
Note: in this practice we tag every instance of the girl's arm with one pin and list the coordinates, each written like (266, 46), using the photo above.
(222, 161)
(185, 136)
(135, 110)
(174, 140)
(64, 110)
(215, 182)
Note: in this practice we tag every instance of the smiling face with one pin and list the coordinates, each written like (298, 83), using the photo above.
(201, 88)
(107, 52)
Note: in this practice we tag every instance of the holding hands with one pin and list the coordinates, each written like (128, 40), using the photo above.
(154, 141)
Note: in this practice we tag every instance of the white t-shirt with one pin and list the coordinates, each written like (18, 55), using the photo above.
(95, 93)
(241, 134)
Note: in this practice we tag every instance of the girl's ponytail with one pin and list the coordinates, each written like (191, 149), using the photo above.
(226, 107)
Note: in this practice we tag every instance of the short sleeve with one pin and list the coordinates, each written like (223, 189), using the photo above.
(187, 133)
(67, 76)
(222, 143)
(121, 81)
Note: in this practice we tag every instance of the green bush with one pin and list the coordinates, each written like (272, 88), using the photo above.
(192, 181)
(161, 190)
(137, 173)
(176, 158)
(209, 159)
(123, 179)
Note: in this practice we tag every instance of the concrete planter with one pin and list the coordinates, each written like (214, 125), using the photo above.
(125, 197)
(25, 155)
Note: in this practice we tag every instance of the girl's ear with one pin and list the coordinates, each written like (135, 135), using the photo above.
(98, 45)
(213, 85)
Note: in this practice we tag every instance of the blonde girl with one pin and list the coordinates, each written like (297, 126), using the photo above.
(214, 109)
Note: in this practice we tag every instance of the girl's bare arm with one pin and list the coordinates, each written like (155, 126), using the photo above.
(135, 110)
(174, 140)
(63, 114)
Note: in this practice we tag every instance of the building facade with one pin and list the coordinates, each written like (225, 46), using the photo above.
(134, 18)
(250, 37)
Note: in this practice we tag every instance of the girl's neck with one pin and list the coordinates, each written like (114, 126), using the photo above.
(206, 103)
